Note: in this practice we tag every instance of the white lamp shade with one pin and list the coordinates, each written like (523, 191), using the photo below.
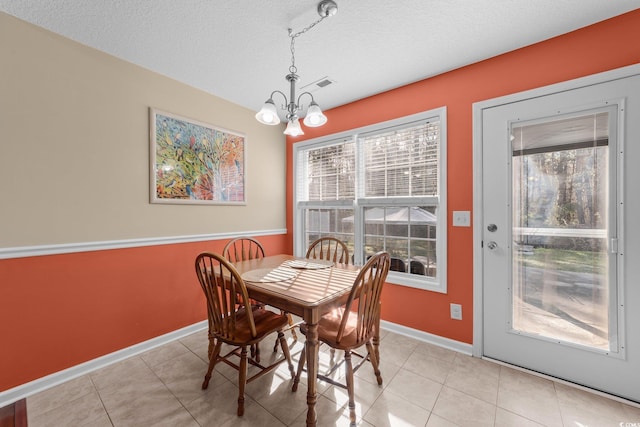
(314, 117)
(293, 128)
(268, 115)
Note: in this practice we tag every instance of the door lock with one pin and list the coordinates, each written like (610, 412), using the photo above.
(492, 227)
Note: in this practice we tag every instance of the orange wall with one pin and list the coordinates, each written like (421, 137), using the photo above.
(604, 46)
(61, 310)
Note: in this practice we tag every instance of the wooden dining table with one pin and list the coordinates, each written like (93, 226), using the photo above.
(308, 288)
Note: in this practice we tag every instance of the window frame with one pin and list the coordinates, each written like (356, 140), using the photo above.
(359, 202)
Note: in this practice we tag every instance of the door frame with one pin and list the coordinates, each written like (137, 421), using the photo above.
(478, 216)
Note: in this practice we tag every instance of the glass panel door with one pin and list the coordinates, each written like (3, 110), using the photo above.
(558, 221)
(562, 268)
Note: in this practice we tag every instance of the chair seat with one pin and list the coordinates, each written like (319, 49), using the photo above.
(328, 329)
(266, 322)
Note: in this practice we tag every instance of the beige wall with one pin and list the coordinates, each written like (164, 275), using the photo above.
(74, 139)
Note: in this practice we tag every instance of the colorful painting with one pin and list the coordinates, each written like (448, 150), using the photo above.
(193, 162)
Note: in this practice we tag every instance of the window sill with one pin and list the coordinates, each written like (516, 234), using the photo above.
(419, 282)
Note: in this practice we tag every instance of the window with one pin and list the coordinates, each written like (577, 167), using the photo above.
(379, 188)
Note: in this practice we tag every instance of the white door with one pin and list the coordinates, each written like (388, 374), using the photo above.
(560, 234)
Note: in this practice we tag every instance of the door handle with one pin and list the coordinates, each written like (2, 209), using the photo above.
(492, 245)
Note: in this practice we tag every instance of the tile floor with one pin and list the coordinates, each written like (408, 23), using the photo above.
(424, 385)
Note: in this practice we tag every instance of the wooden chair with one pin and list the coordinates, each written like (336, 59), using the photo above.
(330, 249)
(243, 249)
(354, 325)
(234, 321)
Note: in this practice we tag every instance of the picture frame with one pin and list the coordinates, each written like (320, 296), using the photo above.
(195, 163)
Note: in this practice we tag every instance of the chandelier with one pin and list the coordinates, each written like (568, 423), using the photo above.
(268, 115)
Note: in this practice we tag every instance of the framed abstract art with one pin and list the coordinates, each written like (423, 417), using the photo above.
(194, 162)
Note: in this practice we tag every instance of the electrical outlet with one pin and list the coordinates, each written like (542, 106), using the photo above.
(461, 219)
(456, 311)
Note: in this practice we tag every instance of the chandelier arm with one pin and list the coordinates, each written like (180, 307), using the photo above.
(286, 101)
(300, 96)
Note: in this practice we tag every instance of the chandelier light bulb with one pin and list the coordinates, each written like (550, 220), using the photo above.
(268, 115)
(314, 117)
(293, 128)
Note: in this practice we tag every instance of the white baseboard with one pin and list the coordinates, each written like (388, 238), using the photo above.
(458, 346)
(25, 390)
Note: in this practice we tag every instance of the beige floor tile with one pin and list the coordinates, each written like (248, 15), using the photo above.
(331, 414)
(121, 396)
(632, 412)
(390, 410)
(198, 343)
(438, 421)
(183, 376)
(163, 353)
(415, 389)
(464, 410)
(505, 418)
(388, 371)
(423, 385)
(121, 374)
(273, 392)
(529, 396)
(435, 351)
(219, 409)
(85, 410)
(475, 377)
(578, 406)
(180, 417)
(435, 369)
(145, 408)
(59, 395)
(365, 394)
(396, 348)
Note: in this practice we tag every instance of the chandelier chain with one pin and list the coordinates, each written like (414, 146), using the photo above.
(292, 68)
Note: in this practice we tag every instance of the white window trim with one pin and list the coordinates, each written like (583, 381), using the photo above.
(420, 282)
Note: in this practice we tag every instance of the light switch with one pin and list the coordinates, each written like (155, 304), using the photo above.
(461, 219)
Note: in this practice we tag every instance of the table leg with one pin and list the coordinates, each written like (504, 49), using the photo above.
(311, 348)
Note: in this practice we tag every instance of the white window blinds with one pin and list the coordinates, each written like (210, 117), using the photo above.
(402, 162)
(330, 172)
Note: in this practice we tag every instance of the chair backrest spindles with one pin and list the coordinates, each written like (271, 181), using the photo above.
(243, 249)
(330, 249)
(366, 292)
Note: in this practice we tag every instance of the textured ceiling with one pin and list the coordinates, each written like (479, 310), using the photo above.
(239, 50)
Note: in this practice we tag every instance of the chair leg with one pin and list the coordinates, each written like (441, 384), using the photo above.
(350, 387)
(213, 358)
(285, 351)
(291, 325)
(242, 381)
(255, 352)
(296, 380)
(291, 328)
(373, 357)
